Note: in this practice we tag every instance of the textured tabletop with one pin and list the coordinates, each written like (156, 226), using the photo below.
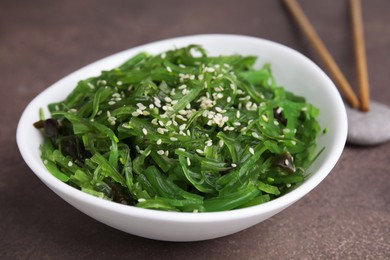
(346, 217)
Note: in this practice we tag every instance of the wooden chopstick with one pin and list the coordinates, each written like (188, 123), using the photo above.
(315, 40)
(360, 55)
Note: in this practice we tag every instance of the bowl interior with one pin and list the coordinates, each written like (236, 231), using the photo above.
(291, 70)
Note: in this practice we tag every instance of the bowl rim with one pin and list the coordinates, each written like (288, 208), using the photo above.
(189, 217)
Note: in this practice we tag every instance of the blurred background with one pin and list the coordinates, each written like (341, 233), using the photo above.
(41, 41)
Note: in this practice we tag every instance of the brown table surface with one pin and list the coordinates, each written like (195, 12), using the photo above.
(345, 217)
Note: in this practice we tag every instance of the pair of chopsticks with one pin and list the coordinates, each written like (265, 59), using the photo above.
(334, 70)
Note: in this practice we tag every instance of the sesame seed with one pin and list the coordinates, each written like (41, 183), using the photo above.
(144, 131)
(119, 83)
(169, 123)
(161, 123)
(293, 142)
(183, 112)
(182, 66)
(251, 150)
(286, 162)
(279, 110)
(45, 162)
(200, 77)
(173, 139)
(229, 99)
(182, 87)
(159, 141)
(188, 132)
(265, 118)
(166, 153)
(141, 106)
(151, 106)
(288, 185)
(126, 125)
(276, 122)
(168, 99)
(236, 123)
(188, 161)
(90, 85)
(209, 142)
(145, 113)
(286, 130)
(70, 164)
(218, 109)
(233, 165)
(199, 151)
(182, 127)
(141, 199)
(185, 91)
(181, 149)
(154, 121)
(255, 135)
(169, 69)
(221, 143)
(160, 152)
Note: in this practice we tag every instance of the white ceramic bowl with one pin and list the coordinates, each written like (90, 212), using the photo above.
(291, 70)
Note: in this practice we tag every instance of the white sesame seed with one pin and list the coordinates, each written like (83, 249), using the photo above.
(174, 102)
(90, 85)
(166, 153)
(279, 110)
(209, 142)
(181, 149)
(154, 121)
(286, 162)
(218, 109)
(229, 99)
(144, 131)
(199, 151)
(160, 152)
(145, 113)
(236, 123)
(188, 161)
(125, 125)
(265, 118)
(233, 165)
(221, 143)
(182, 87)
(293, 142)
(169, 69)
(168, 99)
(70, 164)
(151, 106)
(169, 123)
(286, 130)
(182, 127)
(159, 141)
(188, 132)
(251, 150)
(45, 162)
(182, 66)
(119, 83)
(141, 199)
(173, 139)
(288, 185)
(200, 77)
(255, 135)
(141, 106)
(161, 123)
(276, 122)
